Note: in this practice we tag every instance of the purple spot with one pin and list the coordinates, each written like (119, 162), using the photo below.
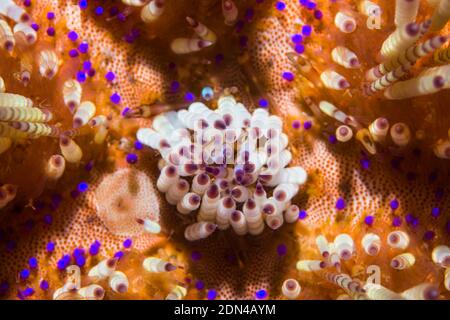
(83, 4)
(93, 250)
(263, 103)
(299, 48)
(282, 249)
(306, 30)
(212, 294)
(121, 17)
(174, 86)
(83, 47)
(302, 215)
(189, 97)
(33, 263)
(127, 243)
(311, 5)
(138, 145)
(219, 58)
(4, 287)
(369, 220)
(73, 53)
(119, 255)
(51, 31)
(110, 76)
(288, 76)
(318, 14)
(200, 285)
(99, 11)
(115, 98)
(340, 204)
(365, 163)
(332, 139)
(196, 256)
(261, 294)
(394, 204)
(89, 166)
(80, 261)
(435, 212)
(91, 73)
(280, 5)
(87, 65)
(397, 221)
(61, 264)
(81, 76)
(50, 247)
(132, 158)
(28, 292)
(72, 35)
(249, 13)
(296, 124)
(44, 285)
(297, 38)
(83, 187)
(24, 274)
(307, 125)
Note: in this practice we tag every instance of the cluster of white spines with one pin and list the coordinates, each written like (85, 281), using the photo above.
(200, 172)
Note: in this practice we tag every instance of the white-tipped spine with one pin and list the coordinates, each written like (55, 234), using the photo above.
(55, 167)
(403, 261)
(291, 289)
(72, 92)
(152, 11)
(345, 22)
(441, 255)
(345, 57)
(398, 240)
(344, 246)
(70, 150)
(103, 269)
(333, 80)
(187, 45)
(199, 230)
(118, 282)
(371, 244)
(48, 63)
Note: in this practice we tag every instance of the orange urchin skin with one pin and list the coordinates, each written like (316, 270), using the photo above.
(235, 267)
